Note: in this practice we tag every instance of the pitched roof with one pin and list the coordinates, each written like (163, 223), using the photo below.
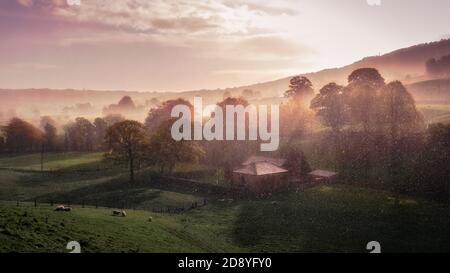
(323, 173)
(260, 168)
(258, 159)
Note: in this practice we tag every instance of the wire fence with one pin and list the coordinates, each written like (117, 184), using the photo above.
(174, 209)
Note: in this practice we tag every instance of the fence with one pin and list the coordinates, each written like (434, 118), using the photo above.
(96, 204)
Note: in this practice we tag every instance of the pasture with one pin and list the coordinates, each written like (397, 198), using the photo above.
(333, 218)
(435, 113)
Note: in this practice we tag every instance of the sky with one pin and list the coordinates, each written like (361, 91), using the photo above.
(168, 45)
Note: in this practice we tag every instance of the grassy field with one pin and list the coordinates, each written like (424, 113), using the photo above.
(334, 218)
(435, 113)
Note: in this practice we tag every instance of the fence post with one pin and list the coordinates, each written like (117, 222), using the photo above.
(18, 203)
(35, 203)
(96, 204)
(51, 203)
(82, 204)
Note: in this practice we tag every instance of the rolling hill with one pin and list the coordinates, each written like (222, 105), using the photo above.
(407, 64)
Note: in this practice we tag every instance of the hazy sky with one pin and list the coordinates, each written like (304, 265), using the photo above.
(168, 45)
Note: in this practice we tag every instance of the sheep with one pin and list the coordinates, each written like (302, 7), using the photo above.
(63, 208)
(59, 208)
(121, 213)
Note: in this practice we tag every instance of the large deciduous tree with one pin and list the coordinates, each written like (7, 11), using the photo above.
(21, 136)
(101, 126)
(330, 106)
(80, 135)
(295, 116)
(361, 92)
(50, 137)
(398, 120)
(167, 152)
(162, 113)
(300, 88)
(128, 143)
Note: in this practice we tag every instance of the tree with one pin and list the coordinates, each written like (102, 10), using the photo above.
(229, 154)
(112, 119)
(101, 126)
(248, 93)
(300, 88)
(432, 171)
(361, 93)
(398, 118)
(331, 107)
(162, 113)
(2, 143)
(80, 135)
(46, 120)
(296, 163)
(167, 152)
(50, 137)
(440, 67)
(397, 112)
(128, 142)
(21, 136)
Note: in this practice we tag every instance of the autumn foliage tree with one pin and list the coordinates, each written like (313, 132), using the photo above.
(21, 136)
(128, 143)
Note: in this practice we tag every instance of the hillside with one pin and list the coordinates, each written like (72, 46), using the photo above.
(431, 91)
(407, 64)
(327, 218)
(323, 219)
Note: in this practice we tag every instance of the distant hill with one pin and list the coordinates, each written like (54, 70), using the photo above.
(431, 91)
(406, 64)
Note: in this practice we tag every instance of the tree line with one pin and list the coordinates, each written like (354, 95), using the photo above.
(371, 131)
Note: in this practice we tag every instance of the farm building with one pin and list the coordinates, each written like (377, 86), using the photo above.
(262, 174)
(268, 174)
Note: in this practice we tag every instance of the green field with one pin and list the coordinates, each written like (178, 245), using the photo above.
(334, 218)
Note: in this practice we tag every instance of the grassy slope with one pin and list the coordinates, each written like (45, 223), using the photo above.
(327, 218)
(322, 219)
(435, 113)
(80, 177)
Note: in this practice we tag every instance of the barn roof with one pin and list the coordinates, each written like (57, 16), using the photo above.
(260, 168)
(261, 159)
(323, 173)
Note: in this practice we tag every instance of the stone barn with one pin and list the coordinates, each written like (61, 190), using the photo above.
(262, 174)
